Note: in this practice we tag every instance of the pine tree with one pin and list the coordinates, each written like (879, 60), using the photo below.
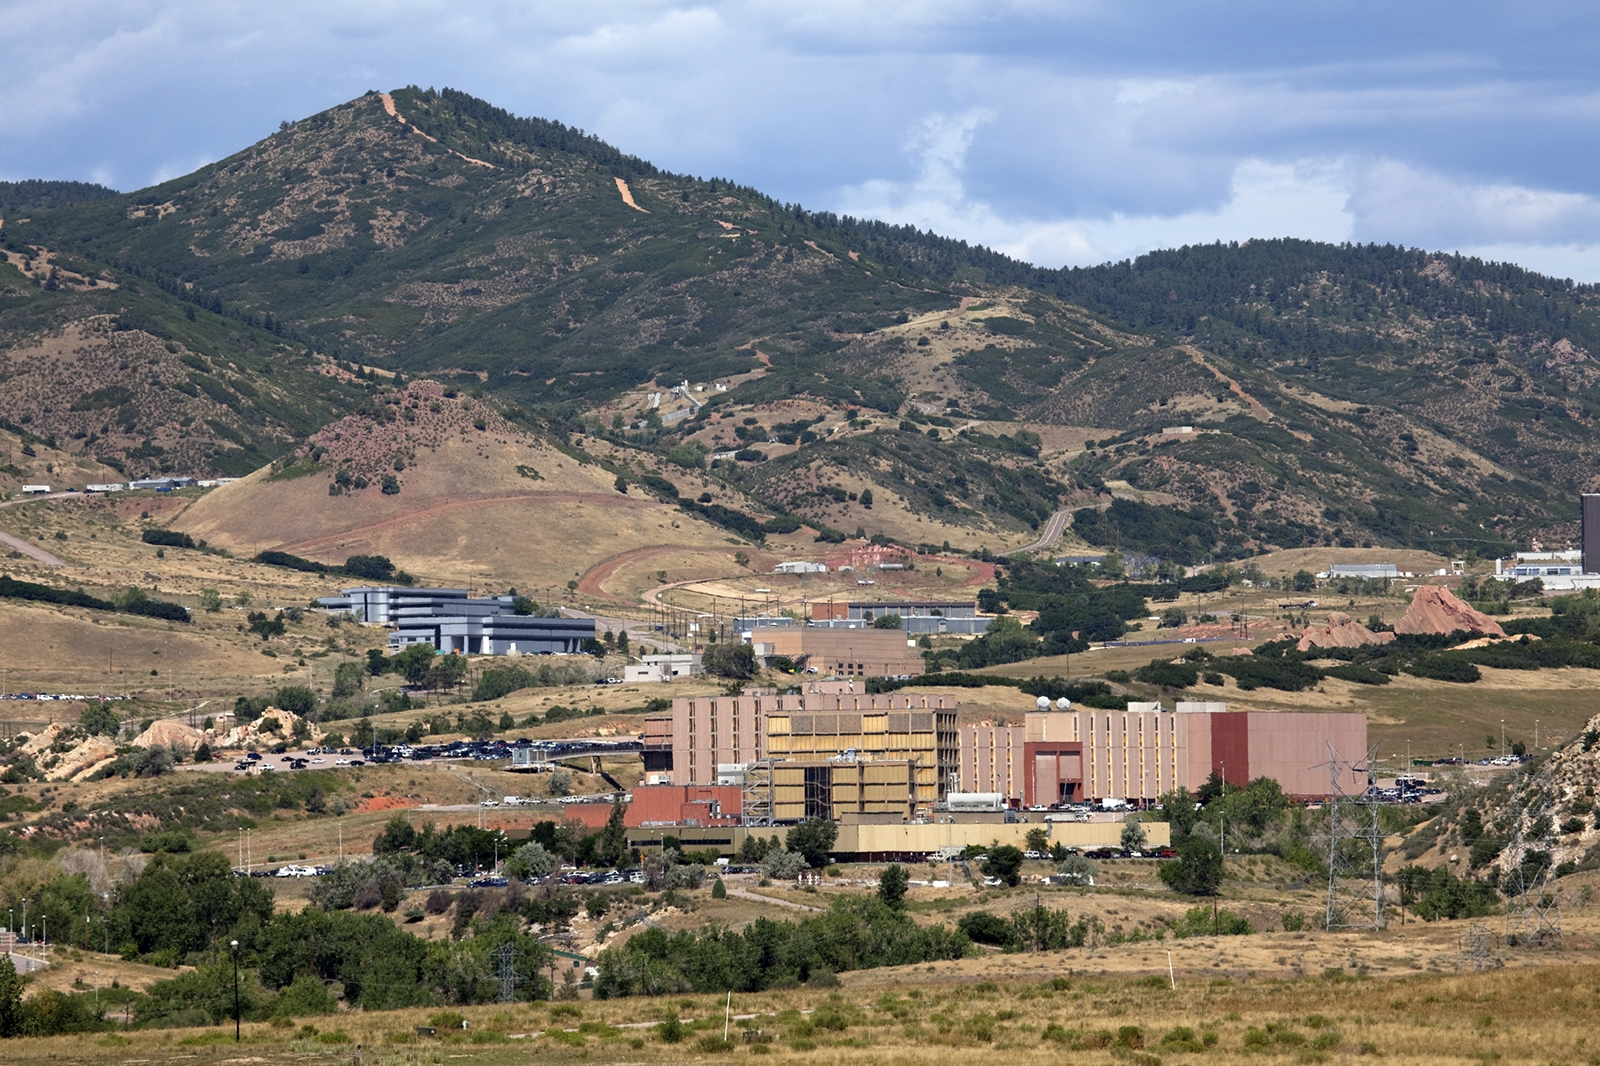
(10, 998)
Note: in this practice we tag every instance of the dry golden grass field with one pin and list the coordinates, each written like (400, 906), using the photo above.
(1396, 998)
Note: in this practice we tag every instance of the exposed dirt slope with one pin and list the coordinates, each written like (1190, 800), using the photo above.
(479, 502)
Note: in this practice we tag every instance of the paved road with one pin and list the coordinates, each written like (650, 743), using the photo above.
(1052, 533)
(33, 551)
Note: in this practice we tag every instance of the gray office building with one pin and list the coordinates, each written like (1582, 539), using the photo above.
(452, 621)
(1591, 532)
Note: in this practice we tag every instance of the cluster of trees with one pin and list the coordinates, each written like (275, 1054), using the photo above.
(1184, 536)
(499, 681)
(128, 601)
(856, 932)
(378, 569)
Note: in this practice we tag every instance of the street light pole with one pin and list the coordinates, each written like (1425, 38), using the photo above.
(234, 944)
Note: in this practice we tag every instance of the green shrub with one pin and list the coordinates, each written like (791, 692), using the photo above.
(1057, 1034)
(671, 1029)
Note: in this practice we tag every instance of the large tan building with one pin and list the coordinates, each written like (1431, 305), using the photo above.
(844, 652)
(992, 760)
(711, 735)
(1139, 753)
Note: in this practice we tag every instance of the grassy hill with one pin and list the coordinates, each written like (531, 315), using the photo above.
(1344, 395)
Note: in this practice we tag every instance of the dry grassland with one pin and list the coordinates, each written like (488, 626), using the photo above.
(1370, 1003)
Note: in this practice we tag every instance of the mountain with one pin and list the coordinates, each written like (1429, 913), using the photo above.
(1340, 394)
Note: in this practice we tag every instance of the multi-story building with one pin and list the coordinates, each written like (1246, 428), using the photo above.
(715, 737)
(451, 621)
(992, 760)
(1146, 750)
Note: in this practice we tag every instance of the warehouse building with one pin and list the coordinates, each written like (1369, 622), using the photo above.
(843, 652)
(869, 610)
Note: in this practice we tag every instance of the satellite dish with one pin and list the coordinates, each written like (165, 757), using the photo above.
(1044, 703)
(1063, 704)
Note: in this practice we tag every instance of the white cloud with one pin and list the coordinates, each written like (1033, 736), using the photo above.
(1062, 131)
(1398, 202)
(1264, 200)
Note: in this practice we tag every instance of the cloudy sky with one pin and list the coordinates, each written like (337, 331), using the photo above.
(1064, 132)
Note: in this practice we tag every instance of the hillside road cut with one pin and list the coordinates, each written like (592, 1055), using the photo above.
(33, 551)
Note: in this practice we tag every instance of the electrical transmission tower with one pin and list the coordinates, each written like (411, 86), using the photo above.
(1475, 950)
(506, 971)
(1533, 905)
(1354, 844)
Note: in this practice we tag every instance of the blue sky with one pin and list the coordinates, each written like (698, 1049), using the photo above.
(1063, 133)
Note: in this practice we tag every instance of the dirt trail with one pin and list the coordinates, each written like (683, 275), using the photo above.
(627, 196)
(33, 551)
(1234, 387)
(388, 105)
(761, 357)
(591, 582)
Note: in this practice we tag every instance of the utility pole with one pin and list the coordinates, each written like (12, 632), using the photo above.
(234, 944)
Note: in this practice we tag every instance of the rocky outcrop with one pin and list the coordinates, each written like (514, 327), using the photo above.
(171, 734)
(82, 760)
(1434, 609)
(1342, 631)
(273, 725)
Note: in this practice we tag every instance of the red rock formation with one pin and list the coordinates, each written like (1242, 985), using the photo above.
(1341, 632)
(1434, 609)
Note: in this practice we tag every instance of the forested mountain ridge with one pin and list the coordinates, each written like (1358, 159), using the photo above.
(1350, 394)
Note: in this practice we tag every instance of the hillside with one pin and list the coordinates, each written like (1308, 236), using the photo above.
(451, 492)
(1343, 395)
(104, 365)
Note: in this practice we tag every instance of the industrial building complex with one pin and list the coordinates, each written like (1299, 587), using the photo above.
(901, 760)
(452, 621)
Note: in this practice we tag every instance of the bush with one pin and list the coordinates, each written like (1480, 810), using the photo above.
(1204, 921)
(167, 538)
(1197, 871)
(1167, 675)
(982, 927)
(1361, 675)
(1444, 668)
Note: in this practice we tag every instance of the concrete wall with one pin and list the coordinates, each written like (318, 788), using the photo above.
(892, 841)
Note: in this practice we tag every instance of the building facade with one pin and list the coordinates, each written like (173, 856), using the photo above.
(1140, 753)
(713, 739)
(992, 759)
(844, 652)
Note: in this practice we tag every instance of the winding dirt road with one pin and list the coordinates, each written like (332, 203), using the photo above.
(33, 551)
